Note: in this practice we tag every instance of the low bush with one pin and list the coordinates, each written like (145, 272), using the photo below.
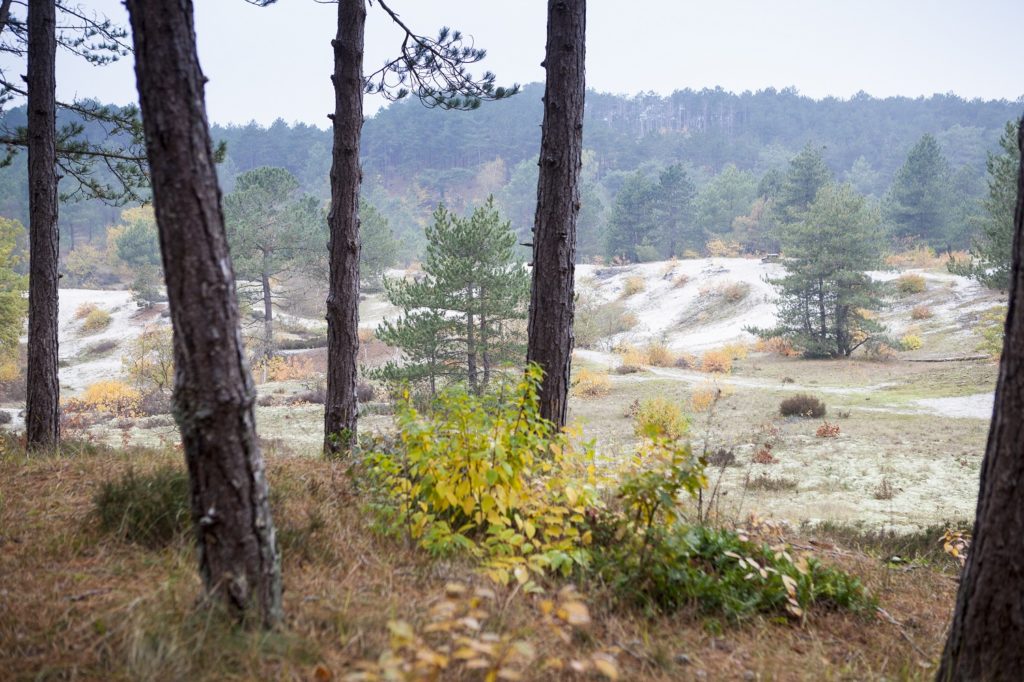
(827, 430)
(772, 484)
(680, 281)
(109, 396)
(687, 361)
(802, 405)
(921, 312)
(660, 415)
(716, 362)
(703, 398)
(659, 355)
(5, 417)
(910, 284)
(95, 321)
(991, 328)
(764, 455)
(633, 285)
(719, 572)
(488, 477)
(591, 384)
(365, 392)
(285, 368)
(734, 292)
(911, 342)
(595, 323)
(83, 310)
(627, 369)
(776, 345)
(150, 509)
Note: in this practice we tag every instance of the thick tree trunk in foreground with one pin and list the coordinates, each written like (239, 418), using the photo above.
(42, 420)
(558, 203)
(213, 389)
(986, 639)
(343, 298)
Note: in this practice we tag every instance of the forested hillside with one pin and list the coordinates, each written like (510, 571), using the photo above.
(414, 156)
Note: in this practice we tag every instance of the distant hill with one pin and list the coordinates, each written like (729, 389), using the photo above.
(414, 157)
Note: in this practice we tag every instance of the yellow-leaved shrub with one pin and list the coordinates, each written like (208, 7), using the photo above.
(490, 477)
(110, 396)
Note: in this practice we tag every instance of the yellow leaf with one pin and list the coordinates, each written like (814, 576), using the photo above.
(575, 613)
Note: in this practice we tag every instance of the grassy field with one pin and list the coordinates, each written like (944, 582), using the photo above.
(76, 603)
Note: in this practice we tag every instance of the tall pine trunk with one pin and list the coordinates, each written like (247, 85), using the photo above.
(268, 312)
(213, 389)
(343, 298)
(550, 327)
(986, 639)
(42, 415)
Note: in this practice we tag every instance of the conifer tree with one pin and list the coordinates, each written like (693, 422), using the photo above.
(918, 202)
(272, 229)
(552, 295)
(806, 175)
(991, 252)
(458, 323)
(826, 295)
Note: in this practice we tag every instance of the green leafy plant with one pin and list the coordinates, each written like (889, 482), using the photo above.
(489, 476)
(660, 417)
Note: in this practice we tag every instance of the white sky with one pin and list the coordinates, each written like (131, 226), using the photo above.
(274, 62)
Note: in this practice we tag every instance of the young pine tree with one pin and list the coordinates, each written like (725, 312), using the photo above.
(459, 322)
(991, 252)
(826, 295)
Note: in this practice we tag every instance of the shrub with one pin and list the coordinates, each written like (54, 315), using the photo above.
(991, 328)
(722, 458)
(591, 384)
(662, 416)
(150, 509)
(680, 281)
(5, 417)
(687, 361)
(734, 292)
(919, 256)
(631, 355)
(885, 490)
(488, 477)
(736, 350)
(594, 323)
(365, 392)
(772, 484)
(719, 572)
(704, 398)
(718, 248)
(911, 342)
(910, 284)
(921, 312)
(764, 455)
(716, 361)
(802, 405)
(659, 355)
(627, 369)
(149, 359)
(83, 310)
(633, 285)
(776, 345)
(95, 321)
(285, 368)
(113, 397)
(827, 430)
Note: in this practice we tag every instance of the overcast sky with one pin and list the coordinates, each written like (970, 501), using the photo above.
(274, 62)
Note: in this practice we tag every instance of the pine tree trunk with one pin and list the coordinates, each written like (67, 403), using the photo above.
(471, 373)
(268, 315)
(986, 639)
(343, 298)
(213, 390)
(550, 327)
(42, 420)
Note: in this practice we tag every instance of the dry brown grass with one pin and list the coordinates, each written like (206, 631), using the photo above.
(77, 604)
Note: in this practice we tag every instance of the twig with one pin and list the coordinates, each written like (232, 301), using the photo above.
(899, 627)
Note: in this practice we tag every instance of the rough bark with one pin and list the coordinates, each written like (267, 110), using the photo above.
(213, 389)
(550, 327)
(340, 412)
(986, 638)
(42, 413)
